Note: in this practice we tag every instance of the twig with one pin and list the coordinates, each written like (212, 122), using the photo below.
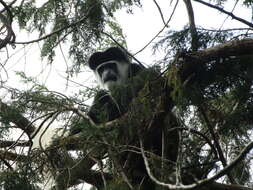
(174, 9)
(161, 13)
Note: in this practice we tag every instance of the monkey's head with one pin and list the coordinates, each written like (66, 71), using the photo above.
(111, 67)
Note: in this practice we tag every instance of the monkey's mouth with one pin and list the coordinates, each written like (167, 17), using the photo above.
(110, 78)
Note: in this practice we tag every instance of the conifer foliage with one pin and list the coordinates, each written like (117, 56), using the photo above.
(189, 125)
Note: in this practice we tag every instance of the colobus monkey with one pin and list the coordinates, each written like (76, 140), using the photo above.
(112, 68)
(121, 82)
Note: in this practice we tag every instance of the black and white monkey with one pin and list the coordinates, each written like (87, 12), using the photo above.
(112, 68)
(121, 81)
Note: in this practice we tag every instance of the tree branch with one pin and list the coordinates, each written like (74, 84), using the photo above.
(13, 156)
(6, 21)
(4, 144)
(59, 30)
(225, 12)
(161, 13)
(12, 115)
(174, 9)
(200, 183)
(217, 144)
(193, 30)
(232, 48)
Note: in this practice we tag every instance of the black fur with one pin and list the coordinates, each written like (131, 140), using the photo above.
(113, 53)
(104, 107)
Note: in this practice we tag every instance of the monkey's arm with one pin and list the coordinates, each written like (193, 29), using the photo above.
(104, 108)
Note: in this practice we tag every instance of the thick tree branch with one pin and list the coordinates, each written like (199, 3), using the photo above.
(11, 115)
(13, 156)
(192, 64)
(232, 48)
(74, 170)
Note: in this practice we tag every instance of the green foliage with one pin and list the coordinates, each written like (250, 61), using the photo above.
(24, 13)
(222, 87)
(83, 24)
(95, 15)
(181, 40)
(16, 181)
(248, 2)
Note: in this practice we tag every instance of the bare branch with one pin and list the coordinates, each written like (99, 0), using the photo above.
(193, 30)
(225, 12)
(174, 9)
(6, 163)
(161, 13)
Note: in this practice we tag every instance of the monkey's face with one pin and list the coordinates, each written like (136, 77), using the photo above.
(112, 73)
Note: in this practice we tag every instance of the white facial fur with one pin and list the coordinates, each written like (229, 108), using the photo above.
(122, 74)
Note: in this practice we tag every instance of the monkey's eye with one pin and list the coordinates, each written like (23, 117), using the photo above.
(107, 66)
